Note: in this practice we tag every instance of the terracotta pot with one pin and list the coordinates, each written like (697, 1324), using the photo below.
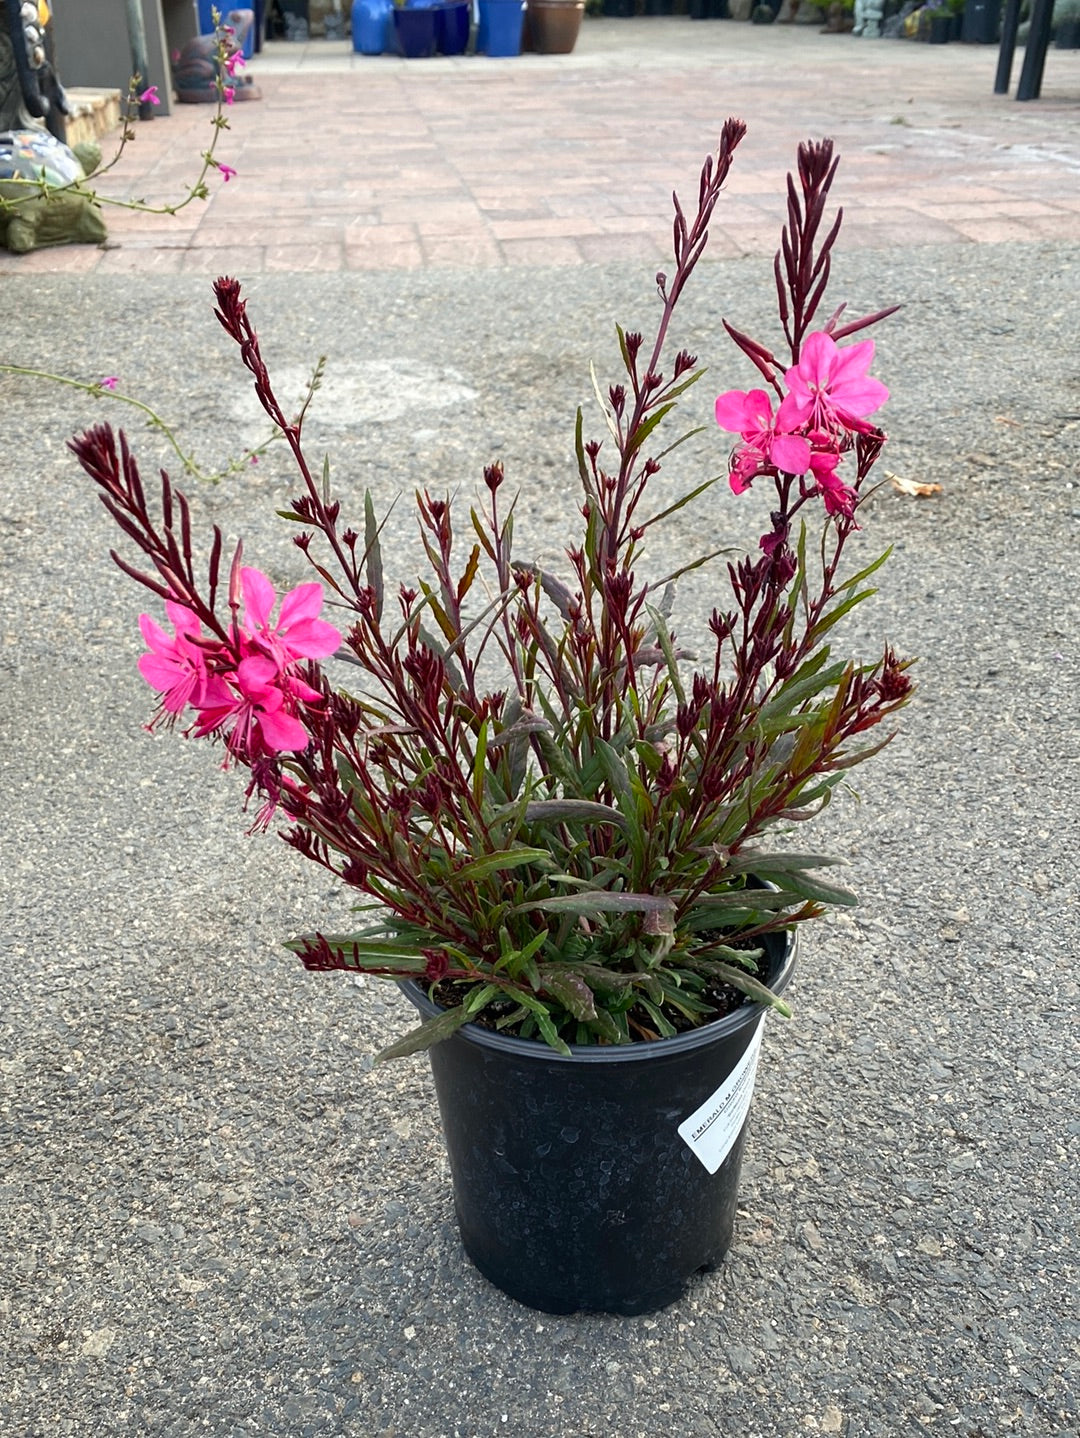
(552, 26)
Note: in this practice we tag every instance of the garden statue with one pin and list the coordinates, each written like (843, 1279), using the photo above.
(868, 17)
(29, 89)
(198, 76)
(41, 202)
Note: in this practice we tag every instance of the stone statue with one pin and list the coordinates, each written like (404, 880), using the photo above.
(42, 201)
(868, 17)
(196, 70)
(29, 89)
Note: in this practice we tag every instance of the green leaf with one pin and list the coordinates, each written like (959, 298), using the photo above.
(582, 811)
(663, 638)
(752, 988)
(571, 990)
(544, 1023)
(607, 1028)
(596, 902)
(641, 434)
(766, 865)
(579, 449)
(432, 1031)
(373, 553)
(678, 504)
(664, 1027)
(504, 859)
(480, 766)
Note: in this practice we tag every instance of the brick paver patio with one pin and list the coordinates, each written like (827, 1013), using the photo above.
(371, 163)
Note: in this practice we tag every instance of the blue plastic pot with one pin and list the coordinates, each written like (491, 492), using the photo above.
(415, 29)
(500, 28)
(452, 27)
(372, 26)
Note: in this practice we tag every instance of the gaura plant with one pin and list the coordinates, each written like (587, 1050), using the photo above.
(553, 816)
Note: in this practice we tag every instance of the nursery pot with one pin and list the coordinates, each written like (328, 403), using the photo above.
(452, 27)
(499, 27)
(415, 28)
(553, 26)
(372, 26)
(602, 1181)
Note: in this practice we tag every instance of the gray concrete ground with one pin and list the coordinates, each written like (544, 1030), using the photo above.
(215, 1219)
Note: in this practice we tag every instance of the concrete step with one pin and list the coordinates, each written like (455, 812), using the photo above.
(93, 114)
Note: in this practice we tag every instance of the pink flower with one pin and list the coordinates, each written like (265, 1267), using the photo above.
(837, 497)
(254, 716)
(299, 632)
(766, 443)
(150, 96)
(227, 172)
(829, 387)
(109, 382)
(176, 665)
(234, 62)
(229, 93)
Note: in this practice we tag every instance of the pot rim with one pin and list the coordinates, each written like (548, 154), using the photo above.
(748, 1012)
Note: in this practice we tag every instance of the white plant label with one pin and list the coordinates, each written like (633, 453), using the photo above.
(712, 1129)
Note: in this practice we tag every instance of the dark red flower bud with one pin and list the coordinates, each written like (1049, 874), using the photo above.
(437, 964)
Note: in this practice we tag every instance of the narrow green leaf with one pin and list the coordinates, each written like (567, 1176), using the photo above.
(504, 859)
(479, 773)
(582, 811)
(594, 902)
(373, 553)
(765, 865)
(752, 988)
(678, 504)
(570, 989)
(544, 1023)
(664, 1027)
(430, 1032)
(641, 434)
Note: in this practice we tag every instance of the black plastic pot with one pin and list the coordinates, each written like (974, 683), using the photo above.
(981, 22)
(574, 1189)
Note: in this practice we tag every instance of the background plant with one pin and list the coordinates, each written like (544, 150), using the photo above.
(550, 810)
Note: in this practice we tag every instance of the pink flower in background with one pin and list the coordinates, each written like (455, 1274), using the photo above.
(176, 665)
(299, 632)
(765, 443)
(829, 387)
(109, 382)
(150, 96)
(227, 172)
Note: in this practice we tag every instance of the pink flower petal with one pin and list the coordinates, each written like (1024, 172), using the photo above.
(790, 453)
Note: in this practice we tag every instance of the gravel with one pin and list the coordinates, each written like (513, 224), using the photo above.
(217, 1219)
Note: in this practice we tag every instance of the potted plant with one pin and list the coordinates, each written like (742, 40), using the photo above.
(414, 26)
(554, 819)
(1066, 23)
(552, 26)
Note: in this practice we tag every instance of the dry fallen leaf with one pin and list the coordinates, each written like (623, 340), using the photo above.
(913, 486)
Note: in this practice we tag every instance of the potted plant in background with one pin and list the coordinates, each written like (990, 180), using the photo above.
(414, 27)
(553, 817)
(552, 26)
(1066, 24)
(500, 27)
